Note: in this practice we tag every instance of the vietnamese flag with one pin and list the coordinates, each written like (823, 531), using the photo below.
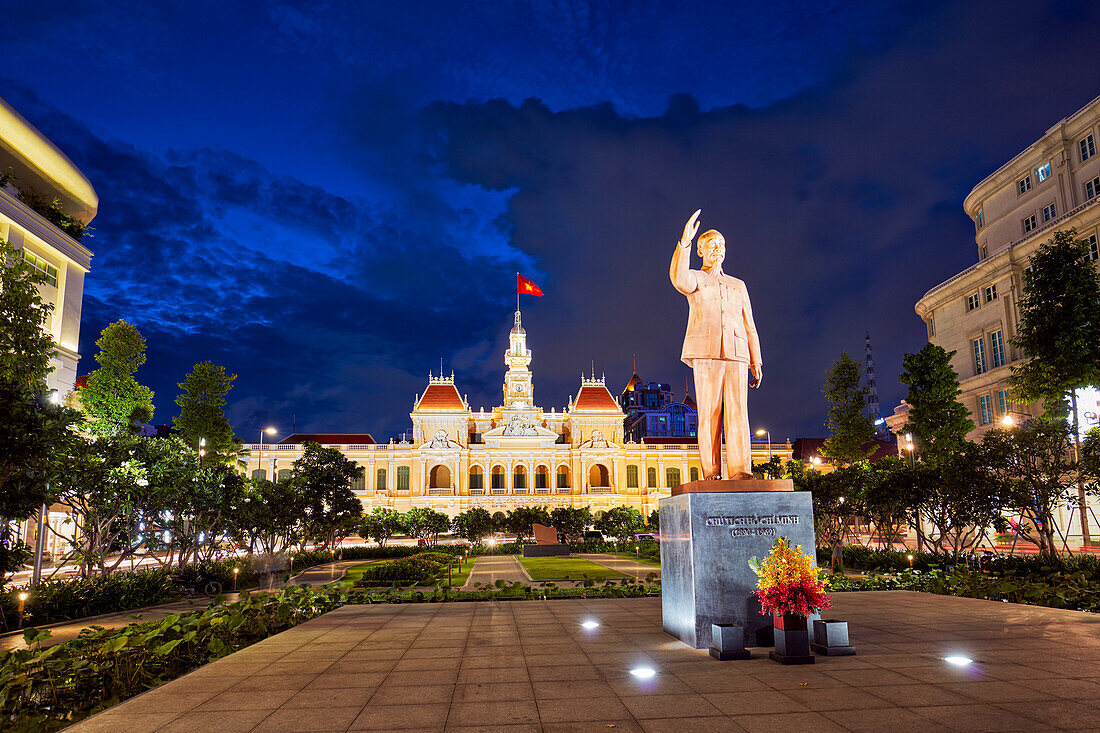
(526, 287)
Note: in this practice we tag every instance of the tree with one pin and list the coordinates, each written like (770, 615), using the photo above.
(473, 524)
(571, 521)
(832, 501)
(521, 519)
(113, 400)
(1035, 471)
(202, 507)
(323, 476)
(961, 500)
(1059, 332)
(425, 523)
(850, 427)
(270, 516)
(621, 522)
(25, 343)
(654, 520)
(937, 420)
(381, 524)
(202, 411)
(890, 494)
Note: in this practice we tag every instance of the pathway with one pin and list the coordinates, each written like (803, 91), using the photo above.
(532, 666)
(69, 630)
(490, 568)
(633, 568)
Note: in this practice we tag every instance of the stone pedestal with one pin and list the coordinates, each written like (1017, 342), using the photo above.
(707, 538)
(555, 550)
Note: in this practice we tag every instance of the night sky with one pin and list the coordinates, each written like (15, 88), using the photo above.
(327, 198)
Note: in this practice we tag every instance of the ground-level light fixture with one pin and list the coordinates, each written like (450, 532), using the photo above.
(958, 661)
(591, 624)
(816, 460)
(910, 560)
(643, 673)
(1008, 421)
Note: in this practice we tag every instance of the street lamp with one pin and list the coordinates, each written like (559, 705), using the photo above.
(22, 600)
(760, 434)
(260, 456)
(909, 447)
(816, 460)
(202, 450)
(235, 571)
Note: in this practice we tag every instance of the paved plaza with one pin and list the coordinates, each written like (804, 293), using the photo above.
(530, 665)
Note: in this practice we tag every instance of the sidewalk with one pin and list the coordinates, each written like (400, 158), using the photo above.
(68, 630)
(490, 568)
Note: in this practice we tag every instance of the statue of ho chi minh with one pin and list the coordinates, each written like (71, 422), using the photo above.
(721, 347)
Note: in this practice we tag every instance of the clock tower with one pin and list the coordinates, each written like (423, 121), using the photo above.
(518, 388)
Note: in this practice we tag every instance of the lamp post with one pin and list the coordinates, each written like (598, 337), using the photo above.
(909, 447)
(40, 534)
(22, 600)
(260, 456)
(760, 434)
(235, 571)
(202, 450)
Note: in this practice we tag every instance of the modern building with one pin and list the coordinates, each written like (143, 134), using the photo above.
(45, 203)
(515, 454)
(1052, 185)
(652, 411)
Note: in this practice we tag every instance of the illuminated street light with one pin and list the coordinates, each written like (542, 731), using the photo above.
(816, 460)
(260, 455)
(1007, 421)
(760, 434)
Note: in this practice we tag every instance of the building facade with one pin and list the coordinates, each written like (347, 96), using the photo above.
(1052, 185)
(515, 454)
(653, 412)
(34, 168)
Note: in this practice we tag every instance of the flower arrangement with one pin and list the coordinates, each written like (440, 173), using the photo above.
(788, 582)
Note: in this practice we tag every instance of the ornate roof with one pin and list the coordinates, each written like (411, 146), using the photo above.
(689, 401)
(441, 395)
(594, 397)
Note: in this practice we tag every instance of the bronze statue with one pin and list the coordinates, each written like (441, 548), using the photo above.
(721, 347)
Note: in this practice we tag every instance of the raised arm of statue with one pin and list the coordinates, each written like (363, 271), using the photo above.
(683, 279)
(755, 362)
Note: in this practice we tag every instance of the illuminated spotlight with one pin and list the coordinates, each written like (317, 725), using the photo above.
(643, 673)
(590, 624)
(958, 661)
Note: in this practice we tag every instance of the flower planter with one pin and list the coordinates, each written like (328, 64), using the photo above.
(792, 640)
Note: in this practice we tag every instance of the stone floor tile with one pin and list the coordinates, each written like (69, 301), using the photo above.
(690, 725)
(1055, 713)
(112, 722)
(309, 720)
(710, 682)
(572, 672)
(571, 710)
(492, 674)
(412, 694)
(801, 722)
(223, 721)
(331, 697)
(402, 717)
(423, 677)
(247, 700)
(480, 713)
(360, 680)
(557, 689)
(889, 719)
(838, 698)
(683, 705)
(980, 718)
(493, 691)
(916, 695)
(756, 702)
(273, 682)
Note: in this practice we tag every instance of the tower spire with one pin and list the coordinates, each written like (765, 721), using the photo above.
(872, 396)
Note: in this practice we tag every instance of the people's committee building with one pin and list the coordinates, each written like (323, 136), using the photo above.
(515, 454)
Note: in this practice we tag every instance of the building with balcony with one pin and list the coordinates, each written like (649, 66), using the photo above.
(515, 454)
(653, 412)
(45, 204)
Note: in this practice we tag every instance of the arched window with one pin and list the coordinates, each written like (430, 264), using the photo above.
(259, 473)
(403, 478)
(477, 478)
(598, 476)
(519, 477)
(498, 477)
(631, 477)
(440, 477)
(563, 476)
(542, 477)
(380, 481)
(651, 477)
(694, 473)
(672, 477)
(285, 474)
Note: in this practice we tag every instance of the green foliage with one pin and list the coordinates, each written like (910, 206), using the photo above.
(269, 517)
(621, 522)
(46, 689)
(850, 426)
(937, 420)
(654, 520)
(473, 524)
(323, 477)
(381, 524)
(571, 521)
(426, 523)
(418, 569)
(202, 411)
(52, 211)
(1059, 326)
(60, 600)
(25, 342)
(521, 519)
(113, 400)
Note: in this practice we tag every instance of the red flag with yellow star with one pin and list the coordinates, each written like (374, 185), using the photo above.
(526, 287)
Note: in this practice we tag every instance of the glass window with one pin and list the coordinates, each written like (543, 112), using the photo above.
(1029, 224)
(931, 325)
(980, 218)
(972, 302)
(651, 477)
(1003, 402)
(519, 479)
(359, 483)
(498, 480)
(285, 474)
(979, 356)
(541, 480)
(563, 478)
(477, 480)
(985, 252)
(380, 480)
(985, 409)
(1023, 185)
(1094, 253)
(403, 482)
(1087, 147)
(44, 268)
(997, 346)
(694, 473)
(1092, 188)
(991, 294)
(1049, 212)
(632, 477)
(1042, 172)
(672, 477)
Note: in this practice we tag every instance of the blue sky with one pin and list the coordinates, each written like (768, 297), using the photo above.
(330, 197)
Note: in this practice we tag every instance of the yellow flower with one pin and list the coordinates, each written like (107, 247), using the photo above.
(785, 565)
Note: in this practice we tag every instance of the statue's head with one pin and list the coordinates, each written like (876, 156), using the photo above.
(712, 248)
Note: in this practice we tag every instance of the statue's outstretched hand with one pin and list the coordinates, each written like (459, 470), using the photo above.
(690, 229)
(757, 375)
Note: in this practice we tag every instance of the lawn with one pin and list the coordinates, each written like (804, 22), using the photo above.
(567, 568)
(642, 558)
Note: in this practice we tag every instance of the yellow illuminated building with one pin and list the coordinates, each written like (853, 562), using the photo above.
(515, 454)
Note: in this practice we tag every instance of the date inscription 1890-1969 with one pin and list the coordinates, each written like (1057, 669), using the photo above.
(752, 525)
